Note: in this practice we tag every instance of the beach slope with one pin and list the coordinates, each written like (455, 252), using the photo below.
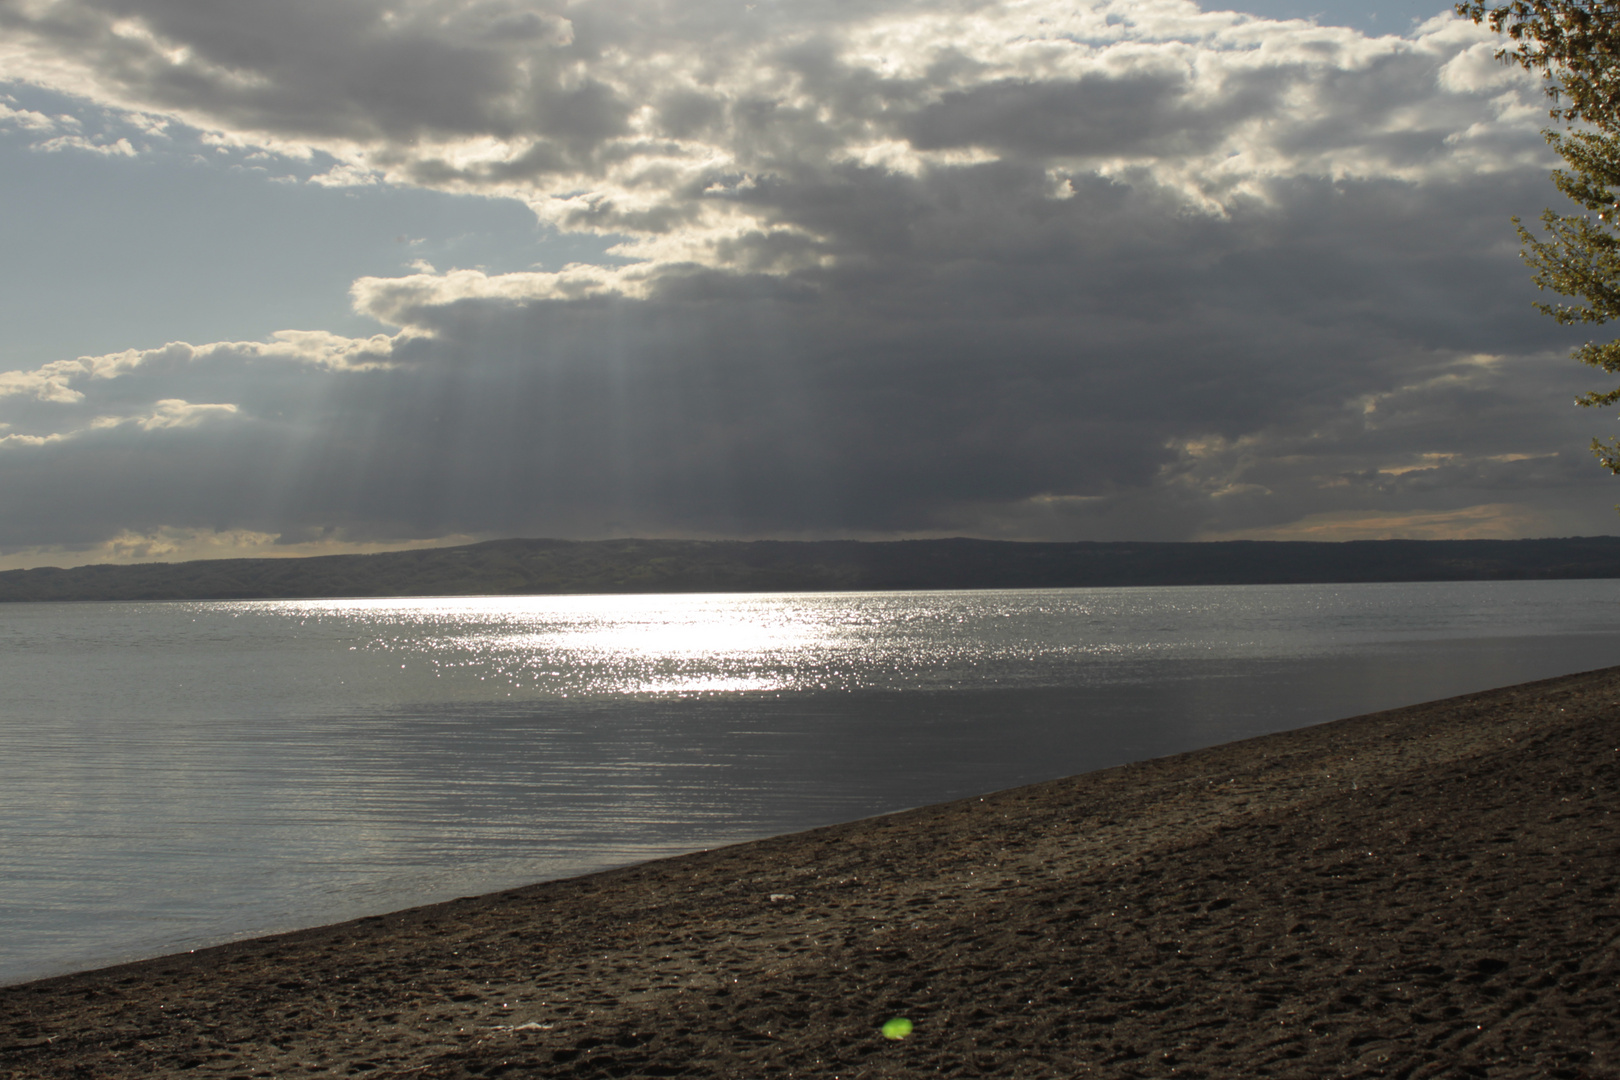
(1429, 891)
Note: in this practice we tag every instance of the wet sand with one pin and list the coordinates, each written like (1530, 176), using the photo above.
(1429, 891)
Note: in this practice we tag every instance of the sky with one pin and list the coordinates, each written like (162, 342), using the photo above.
(308, 277)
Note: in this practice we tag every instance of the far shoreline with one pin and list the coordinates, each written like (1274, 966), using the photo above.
(541, 567)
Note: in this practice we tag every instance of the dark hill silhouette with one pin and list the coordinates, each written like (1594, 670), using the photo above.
(519, 567)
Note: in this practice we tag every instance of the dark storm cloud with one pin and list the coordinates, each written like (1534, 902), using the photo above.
(356, 70)
(1093, 116)
(921, 397)
(1033, 270)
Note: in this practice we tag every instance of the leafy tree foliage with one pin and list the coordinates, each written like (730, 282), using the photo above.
(1575, 45)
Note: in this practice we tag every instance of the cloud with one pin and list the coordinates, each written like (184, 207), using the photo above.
(625, 116)
(346, 176)
(1025, 268)
(185, 544)
(119, 148)
(27, 119)
(170, 413)
(1490, 521)
(20, 440)
(164, 414)
(313, 348)
(405, 301)
(48, 383)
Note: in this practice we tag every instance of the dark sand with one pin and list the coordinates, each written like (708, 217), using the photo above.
(1423, 892)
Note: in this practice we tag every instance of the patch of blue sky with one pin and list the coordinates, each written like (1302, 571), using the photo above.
(122, 234)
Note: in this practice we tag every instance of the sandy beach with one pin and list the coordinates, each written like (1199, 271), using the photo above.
(1429, 891)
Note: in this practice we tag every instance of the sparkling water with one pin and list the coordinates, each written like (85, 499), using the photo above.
(180, 774)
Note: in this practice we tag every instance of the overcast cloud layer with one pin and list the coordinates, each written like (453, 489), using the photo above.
(1085, 270)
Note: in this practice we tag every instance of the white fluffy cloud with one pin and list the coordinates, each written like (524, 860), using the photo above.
(701, 128)
(1117, 267)
(315, 348)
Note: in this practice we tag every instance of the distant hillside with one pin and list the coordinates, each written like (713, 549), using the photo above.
(518, 567)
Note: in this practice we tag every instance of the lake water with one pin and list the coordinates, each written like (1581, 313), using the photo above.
(180, 774)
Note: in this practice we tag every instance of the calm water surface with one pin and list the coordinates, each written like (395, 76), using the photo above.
(180, 774)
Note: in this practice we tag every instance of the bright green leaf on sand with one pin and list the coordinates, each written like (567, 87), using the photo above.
(898, 1028)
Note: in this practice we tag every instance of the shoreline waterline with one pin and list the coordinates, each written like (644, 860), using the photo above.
(1423, 889)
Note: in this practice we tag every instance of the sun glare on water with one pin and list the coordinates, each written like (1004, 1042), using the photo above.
(633, 645)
